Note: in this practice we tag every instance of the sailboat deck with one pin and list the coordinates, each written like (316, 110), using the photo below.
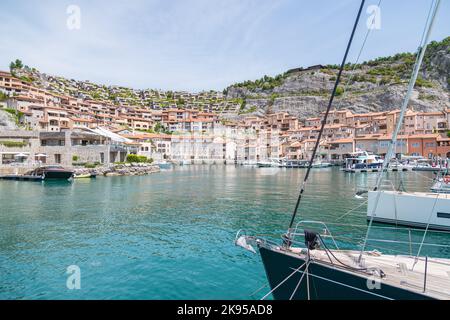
(398, 270)
(433, 195)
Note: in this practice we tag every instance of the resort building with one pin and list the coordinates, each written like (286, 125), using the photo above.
(195, 129)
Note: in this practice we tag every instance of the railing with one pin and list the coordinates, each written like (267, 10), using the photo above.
(375, 243)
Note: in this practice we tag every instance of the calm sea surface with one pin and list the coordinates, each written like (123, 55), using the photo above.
(170, 235)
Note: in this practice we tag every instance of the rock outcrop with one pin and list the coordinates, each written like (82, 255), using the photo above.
(128, 169)
(7, 121)
(378, 85)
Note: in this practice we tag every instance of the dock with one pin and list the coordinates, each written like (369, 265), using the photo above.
(16, 177)
(362, 170)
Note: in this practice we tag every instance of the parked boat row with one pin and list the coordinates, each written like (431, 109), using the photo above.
(363, 161)
(284, 163)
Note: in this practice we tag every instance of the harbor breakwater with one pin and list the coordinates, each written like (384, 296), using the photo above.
(128, 169)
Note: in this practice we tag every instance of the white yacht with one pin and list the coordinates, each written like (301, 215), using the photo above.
(414, 209)
(270, 163)
(251, 163)
(321, 164)
(363, 161)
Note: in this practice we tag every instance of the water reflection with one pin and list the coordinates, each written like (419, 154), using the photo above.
(169, 235)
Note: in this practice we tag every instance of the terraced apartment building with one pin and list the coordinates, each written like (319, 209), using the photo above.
(248, 138)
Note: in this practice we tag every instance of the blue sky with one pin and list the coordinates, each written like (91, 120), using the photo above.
(201, 44)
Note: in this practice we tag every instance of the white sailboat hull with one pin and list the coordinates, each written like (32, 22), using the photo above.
(411, 209)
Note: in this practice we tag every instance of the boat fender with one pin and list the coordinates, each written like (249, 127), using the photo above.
(242, 242)
(312, 240)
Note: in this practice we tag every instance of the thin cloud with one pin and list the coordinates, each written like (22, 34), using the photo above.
(193, 44)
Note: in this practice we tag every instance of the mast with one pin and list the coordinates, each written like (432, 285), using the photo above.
(421, 53)
(324, 121)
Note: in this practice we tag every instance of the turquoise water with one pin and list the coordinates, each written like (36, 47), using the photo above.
(168, 235)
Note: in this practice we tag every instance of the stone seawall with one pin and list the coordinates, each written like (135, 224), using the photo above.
(135, 169)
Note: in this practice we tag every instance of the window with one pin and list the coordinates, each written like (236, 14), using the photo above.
(416, 145)
(57, 158)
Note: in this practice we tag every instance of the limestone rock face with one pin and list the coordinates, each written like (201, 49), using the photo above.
(6, 121)
(378, 85)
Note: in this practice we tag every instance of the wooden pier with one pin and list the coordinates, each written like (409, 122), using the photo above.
(21, 178)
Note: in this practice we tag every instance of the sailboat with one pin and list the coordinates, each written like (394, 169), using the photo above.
(428, 210)
(312, 268)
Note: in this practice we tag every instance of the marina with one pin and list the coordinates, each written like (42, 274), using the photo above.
(212, 152)
(150, 237)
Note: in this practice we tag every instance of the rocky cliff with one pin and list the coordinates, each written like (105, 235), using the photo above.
(376, 85)
(7, 120)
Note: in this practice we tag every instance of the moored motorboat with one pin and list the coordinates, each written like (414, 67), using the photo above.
(85, 176)
(396, 165)
(320, 164)
(249, 163)
(52, 172)
(164, 165)
(294, 164)
(270, 163)
(363, 161)
(442, 185)
(425, 165)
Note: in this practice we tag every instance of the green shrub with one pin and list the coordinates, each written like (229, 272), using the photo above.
(13, 144)
(3, 96)
(15, 113)
(339, 91)
(420, 82)
(75, 158)
(138, 159)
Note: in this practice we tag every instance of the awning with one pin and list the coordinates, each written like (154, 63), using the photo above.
(21, 155)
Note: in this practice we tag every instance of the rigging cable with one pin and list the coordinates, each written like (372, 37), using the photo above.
(324, 121)
(357, 60)
(412, 82)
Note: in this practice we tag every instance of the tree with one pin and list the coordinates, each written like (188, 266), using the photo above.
(158, 127)
(16, 65)
(19, 64)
